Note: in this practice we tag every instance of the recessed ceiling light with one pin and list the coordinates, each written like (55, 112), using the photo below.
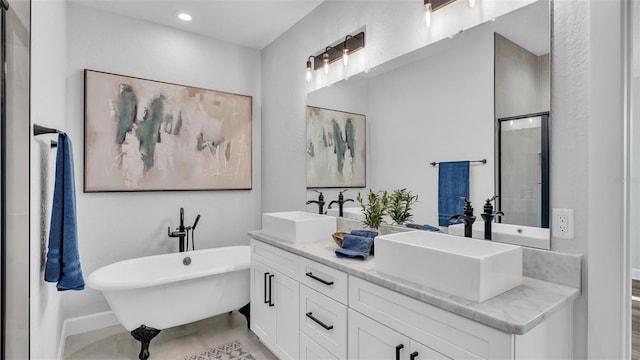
(184, 17)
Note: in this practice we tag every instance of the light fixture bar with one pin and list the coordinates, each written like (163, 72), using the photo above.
(353, 43)
(437, 4)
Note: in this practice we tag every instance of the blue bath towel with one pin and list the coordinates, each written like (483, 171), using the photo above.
(63, 260)
(355, 247)
(453, 184)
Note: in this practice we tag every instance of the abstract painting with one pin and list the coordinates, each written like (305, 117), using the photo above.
(336, 148)
(144, 135)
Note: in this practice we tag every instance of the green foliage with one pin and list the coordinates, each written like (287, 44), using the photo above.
(375, 209)
(399, 208)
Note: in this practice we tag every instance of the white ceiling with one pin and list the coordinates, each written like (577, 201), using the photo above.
(250, 23)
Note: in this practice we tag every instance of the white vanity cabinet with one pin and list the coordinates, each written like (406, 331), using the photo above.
(302, 309)
(274, 299)
(394, 319)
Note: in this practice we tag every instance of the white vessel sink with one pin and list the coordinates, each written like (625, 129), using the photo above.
(348, 212)
(507, 233)
(473, 269)
(298, 226)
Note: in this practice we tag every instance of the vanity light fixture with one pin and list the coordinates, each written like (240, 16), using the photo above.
(432, 5)
(308, 75)
(325, 59)
(342, 50)
(184, 17)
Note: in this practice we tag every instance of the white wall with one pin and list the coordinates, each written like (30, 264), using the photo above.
(586, 132)
(48, 78)
(118, 226)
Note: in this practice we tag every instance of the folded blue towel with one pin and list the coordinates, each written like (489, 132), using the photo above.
(355, 247)
(365, 233)
(453, 184)
(422, 227)
(63, 260)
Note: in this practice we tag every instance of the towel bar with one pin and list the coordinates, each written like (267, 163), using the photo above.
(483, 161)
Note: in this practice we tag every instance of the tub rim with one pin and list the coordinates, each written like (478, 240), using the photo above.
(96, 279)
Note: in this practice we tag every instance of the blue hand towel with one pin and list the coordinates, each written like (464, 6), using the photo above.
(453, 183)
(63, 260)
(425, 227)
(355, 247)
(365, 233)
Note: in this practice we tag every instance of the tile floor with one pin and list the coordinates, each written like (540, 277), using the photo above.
(115, 342)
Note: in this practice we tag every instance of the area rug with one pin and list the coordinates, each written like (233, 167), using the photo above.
(233, 350)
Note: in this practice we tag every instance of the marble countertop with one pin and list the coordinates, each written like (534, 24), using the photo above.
(515, 311)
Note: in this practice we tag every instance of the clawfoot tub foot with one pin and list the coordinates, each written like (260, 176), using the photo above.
(246, 311)
(144, 334)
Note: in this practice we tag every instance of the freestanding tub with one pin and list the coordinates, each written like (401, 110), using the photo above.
(152, 293)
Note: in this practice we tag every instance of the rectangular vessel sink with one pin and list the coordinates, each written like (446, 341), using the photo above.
(473, 269)
(298, 226)
(507, 233)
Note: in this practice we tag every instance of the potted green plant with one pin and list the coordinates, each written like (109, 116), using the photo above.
(400, 203)
(375, 209)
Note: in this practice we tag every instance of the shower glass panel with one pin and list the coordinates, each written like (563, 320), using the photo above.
(523, 169)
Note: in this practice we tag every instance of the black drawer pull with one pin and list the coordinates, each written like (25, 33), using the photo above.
(270, 297)
(265, 288)
(398, 348)
(327, 327)
(328, 283)
(413, 355)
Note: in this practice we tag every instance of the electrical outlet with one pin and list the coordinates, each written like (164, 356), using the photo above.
(562, 222)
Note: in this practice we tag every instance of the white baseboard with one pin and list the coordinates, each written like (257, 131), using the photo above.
(635, 274)
(82, 324)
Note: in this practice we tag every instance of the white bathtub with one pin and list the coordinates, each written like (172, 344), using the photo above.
(161, 292)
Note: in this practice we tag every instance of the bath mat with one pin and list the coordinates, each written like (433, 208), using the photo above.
(232, 350)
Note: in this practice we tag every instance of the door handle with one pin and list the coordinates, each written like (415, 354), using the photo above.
(328, 283)
(270, 302)
(265, 288)
(325, 326)
(413, 355)
(398, 348)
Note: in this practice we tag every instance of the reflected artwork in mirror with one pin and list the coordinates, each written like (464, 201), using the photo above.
(442, 102)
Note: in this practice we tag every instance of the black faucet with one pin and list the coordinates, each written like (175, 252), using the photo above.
(341, 201)
(320, 202)
(467, 217)
(183, 231)
(488, 215)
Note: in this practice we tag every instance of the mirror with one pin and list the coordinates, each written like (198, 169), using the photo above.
(436, 104)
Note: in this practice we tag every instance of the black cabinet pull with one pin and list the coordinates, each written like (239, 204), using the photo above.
(413, 355)
(398, 348)
(328, 283)
(270, 303)
(265, 288)
(325, 326)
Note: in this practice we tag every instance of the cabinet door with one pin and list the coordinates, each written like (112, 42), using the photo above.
(370, 340)
(285, 294)
(263, 317)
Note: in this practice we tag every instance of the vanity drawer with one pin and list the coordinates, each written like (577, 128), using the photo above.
(326, 280)
(324, 320)
(310, 350)
(443, 331)
(280, 260)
